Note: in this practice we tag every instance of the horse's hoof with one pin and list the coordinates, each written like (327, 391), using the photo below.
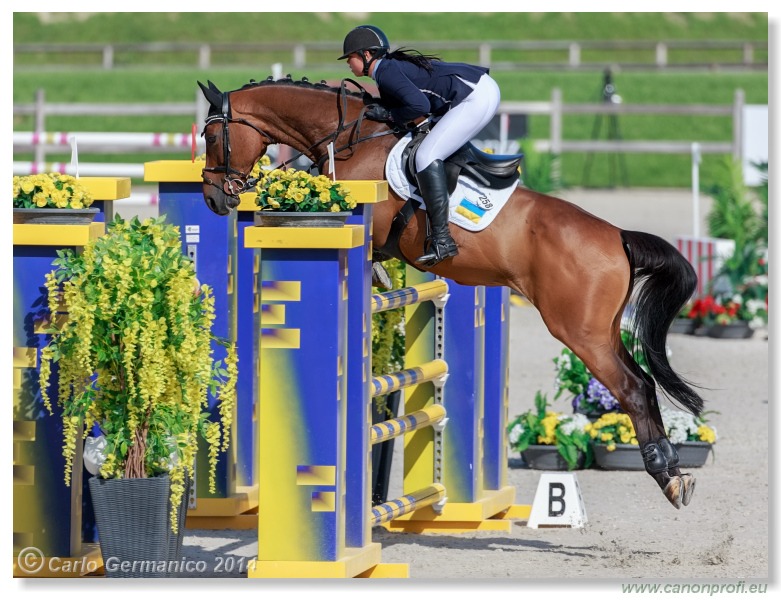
(673, 491)
(688, 481)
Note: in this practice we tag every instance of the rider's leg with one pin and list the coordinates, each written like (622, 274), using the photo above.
(459, 125)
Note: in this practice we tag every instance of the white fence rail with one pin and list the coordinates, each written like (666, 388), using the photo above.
(625, 54)
(42, 143)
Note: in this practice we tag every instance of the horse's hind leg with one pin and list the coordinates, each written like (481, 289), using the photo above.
(680, 488)
(597, 341)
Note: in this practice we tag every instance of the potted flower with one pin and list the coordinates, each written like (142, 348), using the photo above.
(135, 364)
(291, 197)
(729, 316)
(51, 198)
(615, 442)
(549, 440)
(692, 436)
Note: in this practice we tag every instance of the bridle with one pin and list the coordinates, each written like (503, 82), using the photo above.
(236, 182)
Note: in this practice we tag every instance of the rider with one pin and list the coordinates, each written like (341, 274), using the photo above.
(459, 98)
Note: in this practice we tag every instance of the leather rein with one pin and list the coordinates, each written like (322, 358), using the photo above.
(236, 182)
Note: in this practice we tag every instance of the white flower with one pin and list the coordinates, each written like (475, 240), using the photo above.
(576, 422)
(515, 434)
(679, 424)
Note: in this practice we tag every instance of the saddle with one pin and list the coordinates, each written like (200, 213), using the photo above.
(489, 170)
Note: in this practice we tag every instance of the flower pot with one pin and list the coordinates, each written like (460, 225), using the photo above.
(626, 457)
(693, 454)
(54, 216)
(270, 218)
(682, 325)
(733, 331)
(547, 458)
(133, 519)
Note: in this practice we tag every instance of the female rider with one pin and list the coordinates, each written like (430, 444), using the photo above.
(459, 98)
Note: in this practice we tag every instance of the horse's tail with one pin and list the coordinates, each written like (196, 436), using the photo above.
(665, 282)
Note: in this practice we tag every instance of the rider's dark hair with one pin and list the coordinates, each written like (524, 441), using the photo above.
(416, 58)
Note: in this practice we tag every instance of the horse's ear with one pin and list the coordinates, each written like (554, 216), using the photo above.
(213, 87)
(212, 95)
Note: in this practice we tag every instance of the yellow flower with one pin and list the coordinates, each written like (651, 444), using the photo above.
(706, 434)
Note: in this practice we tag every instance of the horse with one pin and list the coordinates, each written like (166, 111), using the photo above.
(578, 270)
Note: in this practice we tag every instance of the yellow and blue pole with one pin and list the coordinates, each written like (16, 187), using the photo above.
(47, 514)
(497, 350)
(359, 367)
(304, 403)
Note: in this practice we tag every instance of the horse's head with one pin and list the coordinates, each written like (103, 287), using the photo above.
(233, 145)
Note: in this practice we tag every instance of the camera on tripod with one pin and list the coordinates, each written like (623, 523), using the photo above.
(609, 89)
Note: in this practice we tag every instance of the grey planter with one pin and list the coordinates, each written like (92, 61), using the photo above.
(682, 325)
(270, 218)
(626, 457)
(54, 216)
(134, 527)
(547, 458)
(734, 331)
(693, 454)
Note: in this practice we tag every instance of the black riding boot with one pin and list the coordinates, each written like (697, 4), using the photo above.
(433, 187)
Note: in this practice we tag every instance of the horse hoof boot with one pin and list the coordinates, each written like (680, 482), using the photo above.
(688, 481)
(673, 491)
(669, 452)
(654, 459)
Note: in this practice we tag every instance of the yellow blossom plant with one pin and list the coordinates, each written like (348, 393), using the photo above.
(135, 356)
(612, 428)
(298, 191)
(50, 190)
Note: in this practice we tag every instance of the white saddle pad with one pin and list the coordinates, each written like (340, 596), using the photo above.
(471, 207)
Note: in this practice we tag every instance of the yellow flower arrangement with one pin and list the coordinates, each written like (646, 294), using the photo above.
(135, 355)
(50, 190)
(298, 191)
(612, 428)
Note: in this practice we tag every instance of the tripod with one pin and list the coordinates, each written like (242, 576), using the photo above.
(613, 133)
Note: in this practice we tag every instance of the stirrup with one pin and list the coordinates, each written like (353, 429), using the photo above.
(439, 250)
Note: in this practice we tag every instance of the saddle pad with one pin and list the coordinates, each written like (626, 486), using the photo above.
(472, 207)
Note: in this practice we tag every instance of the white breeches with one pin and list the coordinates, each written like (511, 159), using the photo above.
(461, 123)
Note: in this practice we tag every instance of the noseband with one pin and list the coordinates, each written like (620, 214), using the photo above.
(235, 182)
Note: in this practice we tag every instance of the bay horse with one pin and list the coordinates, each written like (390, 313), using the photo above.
(578, 270)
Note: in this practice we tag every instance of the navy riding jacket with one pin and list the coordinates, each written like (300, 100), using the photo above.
(409, 91)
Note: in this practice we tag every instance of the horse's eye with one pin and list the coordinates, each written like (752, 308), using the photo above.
(210, 139)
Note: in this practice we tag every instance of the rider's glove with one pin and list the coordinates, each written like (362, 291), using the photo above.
(375, 112)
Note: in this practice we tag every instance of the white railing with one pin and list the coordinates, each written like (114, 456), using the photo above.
(555, 109)
(644, 54)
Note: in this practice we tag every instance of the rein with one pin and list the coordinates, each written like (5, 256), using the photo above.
(341, 127)
(233, 186)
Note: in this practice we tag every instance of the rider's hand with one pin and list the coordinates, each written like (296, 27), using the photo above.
(375, 112)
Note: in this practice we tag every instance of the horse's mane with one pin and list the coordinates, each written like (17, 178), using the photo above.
(303, 83)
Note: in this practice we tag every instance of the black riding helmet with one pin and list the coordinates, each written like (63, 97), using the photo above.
(366, 37)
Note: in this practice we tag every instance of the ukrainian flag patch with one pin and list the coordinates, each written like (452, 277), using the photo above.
(470, 211)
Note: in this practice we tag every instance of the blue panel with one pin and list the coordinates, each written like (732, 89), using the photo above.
(497, 344)
(213, 245)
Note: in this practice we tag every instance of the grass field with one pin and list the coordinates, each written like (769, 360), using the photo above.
(159, 83)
